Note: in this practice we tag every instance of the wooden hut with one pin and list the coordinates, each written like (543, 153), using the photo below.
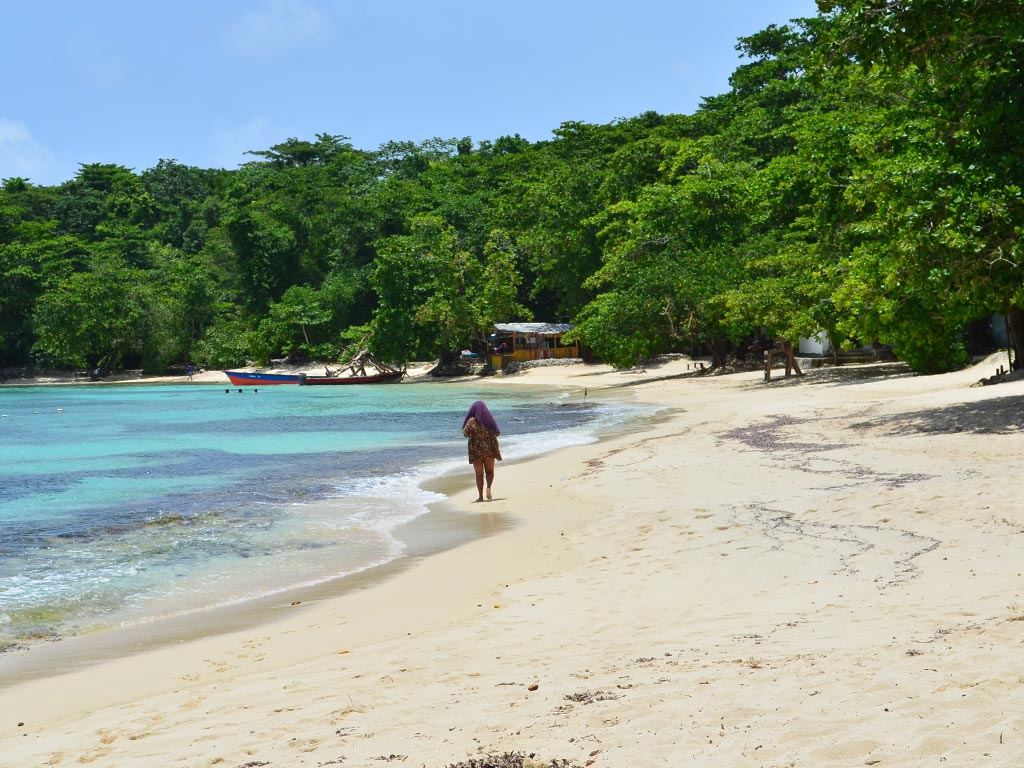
(520, 342)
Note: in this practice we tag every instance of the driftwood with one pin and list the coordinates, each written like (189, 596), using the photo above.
(355, 361)
(357, 364)
(785, 349)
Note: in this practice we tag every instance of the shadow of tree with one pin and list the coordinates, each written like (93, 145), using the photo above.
(1000, 415)
(837, 376)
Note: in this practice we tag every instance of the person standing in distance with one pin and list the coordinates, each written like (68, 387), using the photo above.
(482, 431)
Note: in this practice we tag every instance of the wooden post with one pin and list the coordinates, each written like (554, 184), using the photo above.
(791, 364)
(781, 347)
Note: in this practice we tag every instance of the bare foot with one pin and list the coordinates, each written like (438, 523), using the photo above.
(476, 500)
(488, 493)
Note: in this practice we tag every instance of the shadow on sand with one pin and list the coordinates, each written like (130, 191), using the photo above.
(999, 415)
(842, 375)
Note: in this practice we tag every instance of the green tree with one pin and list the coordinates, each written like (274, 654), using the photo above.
(179, 194)
(267, 254)
(93, 318)
(499, 289)
(424, 282)
(435, 297)
(941, 185)
(184, 301)
(667, 256)
(291, 320)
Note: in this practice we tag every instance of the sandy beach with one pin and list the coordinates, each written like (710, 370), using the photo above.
(823, 571)
(202, 376)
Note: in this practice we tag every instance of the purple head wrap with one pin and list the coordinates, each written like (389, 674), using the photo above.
(478, 411)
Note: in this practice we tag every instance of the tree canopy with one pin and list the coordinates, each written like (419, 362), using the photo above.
(861, 177)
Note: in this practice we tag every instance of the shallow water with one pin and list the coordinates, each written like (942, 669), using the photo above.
(121, 504)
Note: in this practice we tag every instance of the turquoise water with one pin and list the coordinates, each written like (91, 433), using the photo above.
(121, 504)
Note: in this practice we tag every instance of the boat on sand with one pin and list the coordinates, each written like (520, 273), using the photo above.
(247, 379)
(355, 372)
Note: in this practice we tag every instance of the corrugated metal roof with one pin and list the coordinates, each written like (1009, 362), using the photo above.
(544, 329)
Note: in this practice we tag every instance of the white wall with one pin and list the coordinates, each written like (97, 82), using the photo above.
(818, 345)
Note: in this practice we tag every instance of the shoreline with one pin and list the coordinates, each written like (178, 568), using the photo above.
(441, 527)
(822, 572)
(415, 371)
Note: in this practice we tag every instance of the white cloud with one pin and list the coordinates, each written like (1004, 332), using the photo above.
(276, 26)
(21, 155)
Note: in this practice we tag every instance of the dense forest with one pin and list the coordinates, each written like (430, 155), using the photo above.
(862, 176)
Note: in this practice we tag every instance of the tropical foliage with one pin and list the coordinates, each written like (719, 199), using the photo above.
(862, 177)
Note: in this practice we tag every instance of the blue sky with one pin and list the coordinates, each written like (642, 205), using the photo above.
(203, 81)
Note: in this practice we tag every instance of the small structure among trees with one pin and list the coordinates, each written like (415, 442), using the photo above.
(520, 342)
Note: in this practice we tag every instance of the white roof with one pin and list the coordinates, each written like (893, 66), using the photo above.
(544, 329)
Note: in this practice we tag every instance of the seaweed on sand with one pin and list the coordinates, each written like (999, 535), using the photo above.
(509, 760)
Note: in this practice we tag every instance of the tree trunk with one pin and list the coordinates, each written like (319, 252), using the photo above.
(1015, 324)
(719, 347)
(447, 357)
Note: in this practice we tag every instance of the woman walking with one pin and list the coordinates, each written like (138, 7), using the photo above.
(482, 431)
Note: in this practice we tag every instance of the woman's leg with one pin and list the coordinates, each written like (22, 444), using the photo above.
(489, 469)
(478, 468)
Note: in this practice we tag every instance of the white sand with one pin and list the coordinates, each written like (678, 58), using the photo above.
(414, 370)
(816, 573)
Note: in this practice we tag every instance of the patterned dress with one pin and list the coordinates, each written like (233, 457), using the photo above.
(482, 443)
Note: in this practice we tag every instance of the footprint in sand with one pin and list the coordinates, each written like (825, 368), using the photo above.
(93, 755)
(106, 736)
(304, 745)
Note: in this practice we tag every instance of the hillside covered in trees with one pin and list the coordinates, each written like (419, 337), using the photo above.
(862, 177)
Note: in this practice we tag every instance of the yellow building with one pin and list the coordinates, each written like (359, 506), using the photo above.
(520, 342)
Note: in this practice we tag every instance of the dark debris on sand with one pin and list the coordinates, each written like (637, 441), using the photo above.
(589, 697)
(509, 760)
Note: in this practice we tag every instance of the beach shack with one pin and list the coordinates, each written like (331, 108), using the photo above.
(521, 342)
